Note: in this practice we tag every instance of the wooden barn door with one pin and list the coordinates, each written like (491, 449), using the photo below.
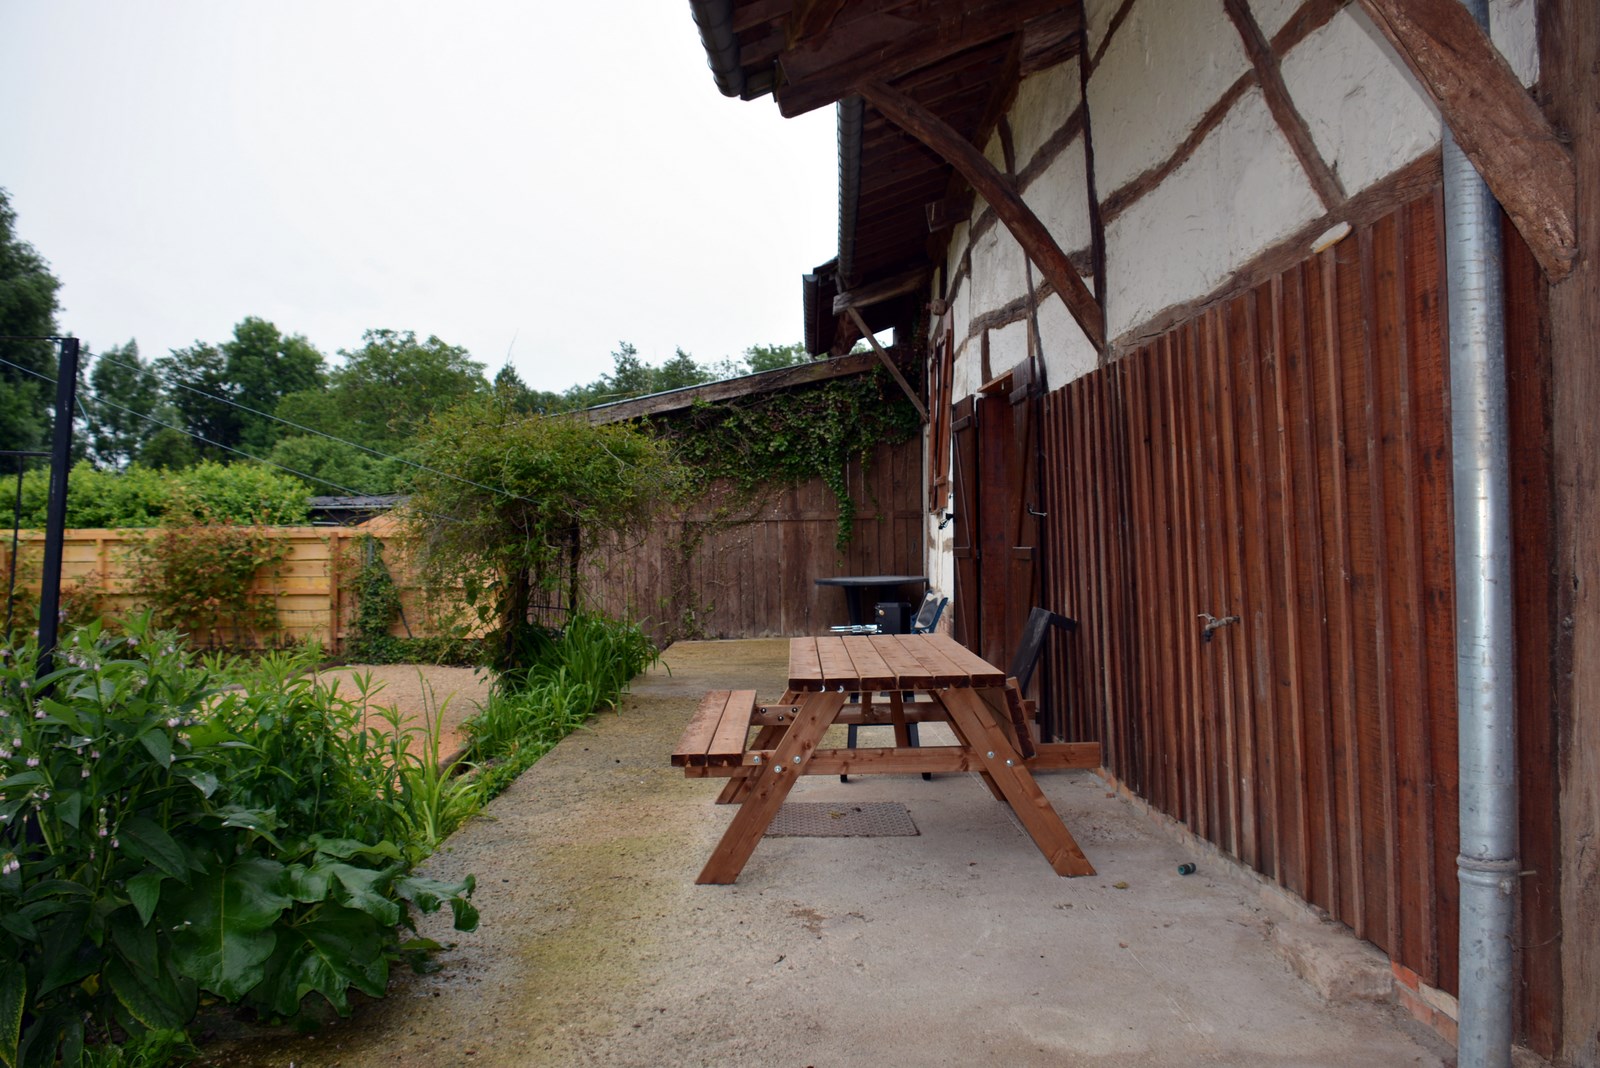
(996, 529)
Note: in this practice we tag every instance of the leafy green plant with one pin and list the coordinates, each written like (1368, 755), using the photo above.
(165, 838)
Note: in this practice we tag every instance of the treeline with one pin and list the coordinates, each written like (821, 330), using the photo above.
(342, 425)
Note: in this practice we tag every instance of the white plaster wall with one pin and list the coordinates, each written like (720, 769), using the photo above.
(1366, 113)
(997, 269)
(1060, 198)
(1170, 61)
(968, 373)
(1045, 101)
(1008, 346)
(1514, 29)
(1240, 191)
(1271, 15)
(1067, 353)
(1096, 18)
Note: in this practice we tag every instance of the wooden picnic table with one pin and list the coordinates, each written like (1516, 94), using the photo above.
(899, 679)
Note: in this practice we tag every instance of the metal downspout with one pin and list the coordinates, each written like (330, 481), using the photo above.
(1487, 866)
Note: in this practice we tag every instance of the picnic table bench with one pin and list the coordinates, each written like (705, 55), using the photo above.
(763, 748)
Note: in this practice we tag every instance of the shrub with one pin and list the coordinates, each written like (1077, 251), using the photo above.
(163, 839)
(144, 496)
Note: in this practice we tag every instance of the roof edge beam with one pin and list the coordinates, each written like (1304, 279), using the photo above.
(1034, 237)
(885, 289)
(1495, 121)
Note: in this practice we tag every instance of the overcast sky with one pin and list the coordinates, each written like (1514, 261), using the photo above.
(564, 175)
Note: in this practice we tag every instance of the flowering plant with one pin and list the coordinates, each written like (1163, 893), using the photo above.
(164, 835)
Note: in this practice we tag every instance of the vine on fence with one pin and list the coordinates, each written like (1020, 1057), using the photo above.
(378, 608)
(783, 438)
(199, 576)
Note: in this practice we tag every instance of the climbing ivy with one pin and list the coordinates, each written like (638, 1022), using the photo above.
(795, 435)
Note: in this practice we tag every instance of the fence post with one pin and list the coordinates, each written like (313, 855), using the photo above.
(56, 513)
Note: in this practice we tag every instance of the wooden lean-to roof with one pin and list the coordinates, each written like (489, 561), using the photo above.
(958, 59)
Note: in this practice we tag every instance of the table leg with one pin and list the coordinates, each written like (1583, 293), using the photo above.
(975, 721)
(769, 785)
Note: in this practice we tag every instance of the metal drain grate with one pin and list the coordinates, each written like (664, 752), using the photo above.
(860, 819)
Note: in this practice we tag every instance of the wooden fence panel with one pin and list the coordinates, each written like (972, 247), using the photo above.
(1284, 459)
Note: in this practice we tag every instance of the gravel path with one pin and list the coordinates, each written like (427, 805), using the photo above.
(955, 947)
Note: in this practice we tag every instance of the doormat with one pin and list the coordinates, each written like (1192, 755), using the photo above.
(858, 819)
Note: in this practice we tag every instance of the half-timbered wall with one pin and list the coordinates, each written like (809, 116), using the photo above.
(1195, 136)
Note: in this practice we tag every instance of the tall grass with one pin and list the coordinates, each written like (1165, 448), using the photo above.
(570, 676)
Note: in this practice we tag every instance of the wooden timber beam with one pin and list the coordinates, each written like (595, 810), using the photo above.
(1497, 124)
(1034, 237)
(905, 387)
(886, 44)
(809, 18)
(728, 389)
(885, 289)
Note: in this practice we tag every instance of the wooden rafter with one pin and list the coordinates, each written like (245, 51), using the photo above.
(1034, 237)
(884, 289)
(886, 44)
(811, 17)
(1495, 121)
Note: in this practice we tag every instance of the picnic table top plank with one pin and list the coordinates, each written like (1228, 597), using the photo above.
(945, 671)
(981, 672)
(869, 667)
(805, 670)
(838, 669)
(908, 669)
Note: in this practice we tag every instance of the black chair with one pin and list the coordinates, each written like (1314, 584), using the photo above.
(1029, 648)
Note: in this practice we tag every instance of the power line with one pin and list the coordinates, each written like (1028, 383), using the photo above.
(219, 445)
(321, 433)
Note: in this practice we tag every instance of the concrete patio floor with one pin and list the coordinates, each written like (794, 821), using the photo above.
(956, 946)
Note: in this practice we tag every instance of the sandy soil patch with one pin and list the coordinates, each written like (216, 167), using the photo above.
(417, 691)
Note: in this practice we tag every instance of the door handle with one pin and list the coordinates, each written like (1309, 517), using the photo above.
(1213, 624)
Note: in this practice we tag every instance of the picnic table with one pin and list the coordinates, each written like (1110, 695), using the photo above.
(899, 679)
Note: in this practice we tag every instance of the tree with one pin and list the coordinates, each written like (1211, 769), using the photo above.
(27, 310)
(262, 366)
(771, 357)
(678, 372)
(196, 386)
(630, 376)
(130, 388)
(329, 466)
(383, 392)
(227, 393)
(552, 483)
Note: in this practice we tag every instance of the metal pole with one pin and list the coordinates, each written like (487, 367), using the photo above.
(56, 512)
(1487, 751)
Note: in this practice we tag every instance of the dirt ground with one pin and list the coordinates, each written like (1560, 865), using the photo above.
(958, 946)
(419, 692)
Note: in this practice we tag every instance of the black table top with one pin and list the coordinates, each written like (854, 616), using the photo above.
(871, 580)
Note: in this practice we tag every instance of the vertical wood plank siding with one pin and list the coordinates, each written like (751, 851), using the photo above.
(757, 578)
(1284, 459)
